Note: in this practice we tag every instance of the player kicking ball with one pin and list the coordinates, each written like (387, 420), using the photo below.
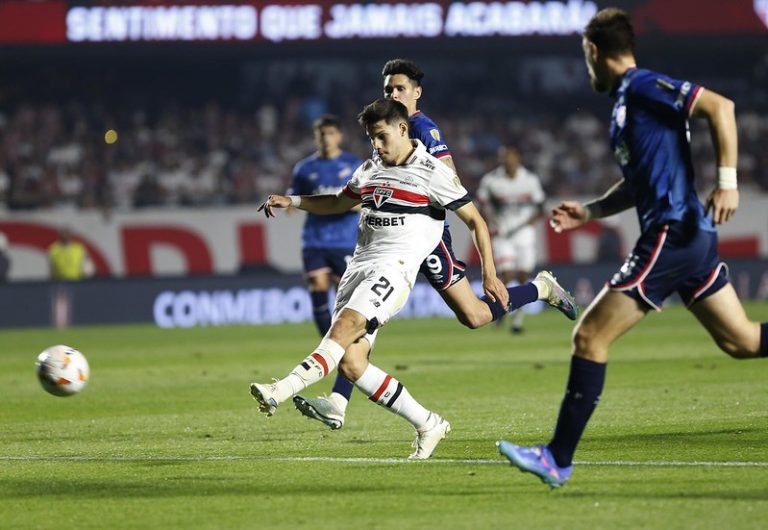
(677, 249)
(403, 83)
(404, 193)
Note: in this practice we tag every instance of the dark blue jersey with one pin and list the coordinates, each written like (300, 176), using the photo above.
(420, 127)
(424, 129)
(321, 176)
(651, 141)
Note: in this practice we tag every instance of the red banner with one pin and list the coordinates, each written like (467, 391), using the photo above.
(61, 22)
(33, 22)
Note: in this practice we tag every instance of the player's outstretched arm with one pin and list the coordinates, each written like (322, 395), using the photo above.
(571, 214)
(721, 114)
(492, 286)
(319, 204)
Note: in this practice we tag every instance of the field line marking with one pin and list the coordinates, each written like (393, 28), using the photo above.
(363, 460)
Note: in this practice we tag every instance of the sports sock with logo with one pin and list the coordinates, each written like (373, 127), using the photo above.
(390, 393)
(320, 312)
(312, 369)
(585, 384)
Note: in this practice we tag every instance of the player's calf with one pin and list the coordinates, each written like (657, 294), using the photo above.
(589, 344)
(388, 392)
(748, 343)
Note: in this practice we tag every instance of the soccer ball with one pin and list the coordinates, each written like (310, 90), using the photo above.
(63, 371)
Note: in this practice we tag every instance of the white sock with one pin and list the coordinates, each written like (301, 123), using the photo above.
(542, 288)
(312, 369)
(339, 401)
(388, 392)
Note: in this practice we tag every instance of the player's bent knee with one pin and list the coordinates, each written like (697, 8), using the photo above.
(586, 344)
(347, 328)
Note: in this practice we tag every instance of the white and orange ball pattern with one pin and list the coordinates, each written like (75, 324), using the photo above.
(63, 371)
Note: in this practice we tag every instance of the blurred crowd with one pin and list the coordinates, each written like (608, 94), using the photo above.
(52, 155)
(149, 148)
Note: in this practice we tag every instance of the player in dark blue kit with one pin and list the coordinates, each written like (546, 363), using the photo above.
(677, 249)
(402, 82)
(327, 241)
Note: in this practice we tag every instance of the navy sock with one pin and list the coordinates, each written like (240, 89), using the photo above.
(585, 384)
(764, 339)
(320, 311)
(343, 386)
(519, 295)
(497, 310)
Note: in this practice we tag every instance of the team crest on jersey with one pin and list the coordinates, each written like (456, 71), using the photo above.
(381, 195)
(435, 134)
(345, 172)
(680, 101)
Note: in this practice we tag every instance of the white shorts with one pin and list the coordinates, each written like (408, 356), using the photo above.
(376, 291)
(517, 252)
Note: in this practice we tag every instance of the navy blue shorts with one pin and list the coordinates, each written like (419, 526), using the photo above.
(441, 268)
(672, 258)
(331, 261)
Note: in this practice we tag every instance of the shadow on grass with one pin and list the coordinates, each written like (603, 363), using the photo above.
(635, 492)
(167, 487)
(686, 435)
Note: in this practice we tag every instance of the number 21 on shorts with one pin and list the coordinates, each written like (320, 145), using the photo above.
(383, 288)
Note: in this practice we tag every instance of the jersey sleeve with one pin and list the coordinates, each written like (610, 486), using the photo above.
(446, 189)
(666, 94)
(432, 138)
(352, 188)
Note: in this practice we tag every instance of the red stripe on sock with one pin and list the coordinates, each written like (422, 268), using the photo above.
(376, 395)
(321, 360)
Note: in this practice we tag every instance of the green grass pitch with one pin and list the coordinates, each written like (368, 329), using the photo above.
(166, 435)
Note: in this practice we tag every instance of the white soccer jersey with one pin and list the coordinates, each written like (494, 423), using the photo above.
(403, 208)
(512, 202)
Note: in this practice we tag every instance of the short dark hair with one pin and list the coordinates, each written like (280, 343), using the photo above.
(386, 109)
(611, 31)
(326, 120)
(403, 66)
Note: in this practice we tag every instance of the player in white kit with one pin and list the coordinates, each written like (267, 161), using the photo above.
(512, 200)
(404, 194)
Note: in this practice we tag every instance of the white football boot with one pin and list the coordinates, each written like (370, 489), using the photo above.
(427, 440)
(264, 394)
(322, 409)
(559, 298)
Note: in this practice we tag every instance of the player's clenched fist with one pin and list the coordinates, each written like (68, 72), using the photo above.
(274, 201)
(569, 215)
